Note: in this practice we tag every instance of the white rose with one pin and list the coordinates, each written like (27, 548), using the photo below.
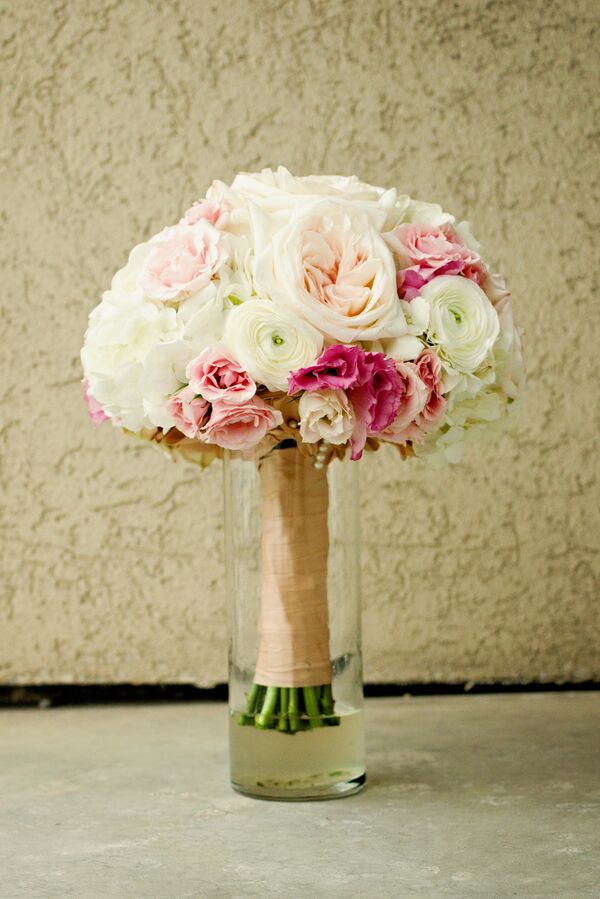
(203, 316)
(202, 320)
(234, 279)
(276, 191)
(462, 321)
(325, 415)
(270, 342)
(330, 266)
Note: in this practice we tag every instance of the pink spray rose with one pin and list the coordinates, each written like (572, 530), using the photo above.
(183, 258)
(216, 375)
(211, 210)
(414, 398)
(241, 426)
(95, 410)
(370, 380)
(422, 405)
(188, 411)
(429, 369)
(425, 251)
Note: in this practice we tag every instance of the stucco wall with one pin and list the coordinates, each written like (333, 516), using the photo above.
(117, 115)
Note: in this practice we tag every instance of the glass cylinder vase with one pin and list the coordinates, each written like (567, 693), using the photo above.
(293, 582)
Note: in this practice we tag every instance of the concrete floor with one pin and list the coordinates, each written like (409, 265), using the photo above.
(468, 796)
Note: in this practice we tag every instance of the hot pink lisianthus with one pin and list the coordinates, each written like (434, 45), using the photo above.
(339, 367)
(95, 410)
(425, 251)
(188, 411)
(183, 259)
(370, 380)
(216, 375)
(375, 401)
(211, 210)
(242, 426)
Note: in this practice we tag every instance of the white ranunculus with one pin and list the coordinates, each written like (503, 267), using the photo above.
(270, 342)
(122, 330)
(325, 415)
(462, 321)
(330, 266)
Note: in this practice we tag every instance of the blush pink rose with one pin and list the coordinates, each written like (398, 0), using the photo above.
(241, 426)
(425, 251)
(188, 411)
(183, 259)
(95, 410)
(429, 369)
(216, 375)
(212, 211)
(415, 395)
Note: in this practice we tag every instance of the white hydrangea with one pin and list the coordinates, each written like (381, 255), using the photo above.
(122, 331)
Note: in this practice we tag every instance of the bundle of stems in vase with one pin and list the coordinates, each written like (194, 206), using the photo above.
(289, 709)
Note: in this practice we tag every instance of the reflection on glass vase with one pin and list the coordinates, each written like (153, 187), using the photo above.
(293, 582)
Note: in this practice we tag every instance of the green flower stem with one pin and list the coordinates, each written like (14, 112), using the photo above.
(295, 723)
(245, 718)
(327, 699)
(311, 703)
(265, 716)
(283, 709)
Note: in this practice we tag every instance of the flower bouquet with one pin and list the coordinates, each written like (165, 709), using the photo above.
(291, 324)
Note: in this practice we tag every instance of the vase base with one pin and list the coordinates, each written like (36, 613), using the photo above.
(301, 793)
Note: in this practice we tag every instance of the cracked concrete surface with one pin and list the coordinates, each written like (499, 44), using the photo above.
(116, 115)
(468, 796)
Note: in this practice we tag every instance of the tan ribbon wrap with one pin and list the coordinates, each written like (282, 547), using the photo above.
(294, 625)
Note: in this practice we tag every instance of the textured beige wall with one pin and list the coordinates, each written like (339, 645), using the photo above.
(117, 115)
